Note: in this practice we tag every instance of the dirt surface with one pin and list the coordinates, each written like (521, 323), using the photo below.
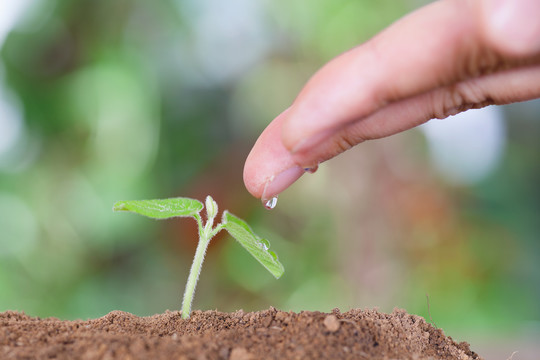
(269, 334)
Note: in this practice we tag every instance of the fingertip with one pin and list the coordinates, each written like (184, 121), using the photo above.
(265, 184)
(277, 183)
(269, 168)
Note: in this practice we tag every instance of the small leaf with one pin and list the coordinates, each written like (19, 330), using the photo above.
(161, 208)
(255, 245)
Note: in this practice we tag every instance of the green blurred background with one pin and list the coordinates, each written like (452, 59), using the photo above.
(112, 100)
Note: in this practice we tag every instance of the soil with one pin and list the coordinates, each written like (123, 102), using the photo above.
(269, 334)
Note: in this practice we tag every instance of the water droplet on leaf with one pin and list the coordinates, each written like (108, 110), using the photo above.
(264, 244)
(270, 204)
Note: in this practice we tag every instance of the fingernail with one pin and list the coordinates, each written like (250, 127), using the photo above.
(514, 25)
(277, 183)
(311, 142)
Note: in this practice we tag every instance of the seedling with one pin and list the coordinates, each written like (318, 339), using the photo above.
(236, 227)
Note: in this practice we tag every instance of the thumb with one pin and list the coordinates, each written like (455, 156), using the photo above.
(512, 26)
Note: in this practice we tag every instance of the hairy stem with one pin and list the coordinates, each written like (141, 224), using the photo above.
(206, 233)
(194, 275)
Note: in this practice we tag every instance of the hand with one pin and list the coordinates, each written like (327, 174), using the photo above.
(444, 58)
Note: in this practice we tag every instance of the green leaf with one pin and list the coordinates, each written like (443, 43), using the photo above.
(161, 208)
(255, 245)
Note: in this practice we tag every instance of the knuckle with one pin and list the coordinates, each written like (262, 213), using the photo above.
(344, 143)
(458, 98)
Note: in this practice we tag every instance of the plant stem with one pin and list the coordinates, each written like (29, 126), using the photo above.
(194, 276)
(206, 233)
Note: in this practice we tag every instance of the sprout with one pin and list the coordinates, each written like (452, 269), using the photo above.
(236, 227)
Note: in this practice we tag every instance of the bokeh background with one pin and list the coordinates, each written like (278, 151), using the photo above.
(112, 100)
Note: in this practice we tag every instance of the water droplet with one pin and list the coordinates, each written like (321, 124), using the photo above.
(271, 203)
(311, 169)
(264, 244)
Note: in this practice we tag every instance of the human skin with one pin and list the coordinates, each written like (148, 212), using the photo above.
(442, 59)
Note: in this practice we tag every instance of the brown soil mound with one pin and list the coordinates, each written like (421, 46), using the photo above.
(269, 334)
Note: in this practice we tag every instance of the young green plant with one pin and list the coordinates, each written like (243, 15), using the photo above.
(236, 227)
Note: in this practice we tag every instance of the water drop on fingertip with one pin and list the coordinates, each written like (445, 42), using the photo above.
(271, 203)
(311, 169)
